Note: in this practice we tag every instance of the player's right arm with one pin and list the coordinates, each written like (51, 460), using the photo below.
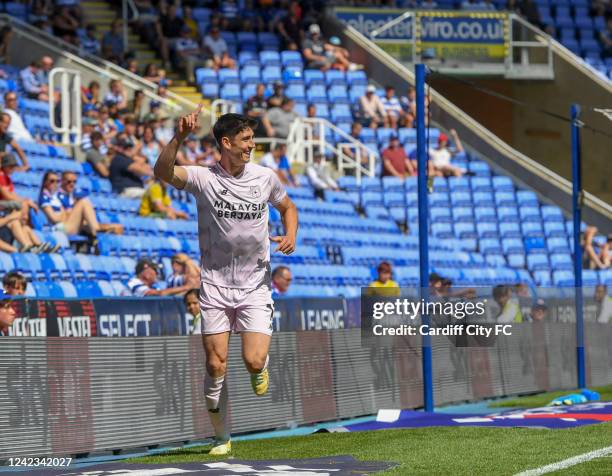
(164, 167)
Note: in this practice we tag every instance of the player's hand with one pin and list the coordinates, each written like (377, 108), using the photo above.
(189, 123)
(286, 244)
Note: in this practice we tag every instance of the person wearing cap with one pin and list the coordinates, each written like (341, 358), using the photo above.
(6, 138)
(441, 156)
(278, 96)
(125, 172)
(144, 283)
(233, 199)
(319, 176)
(371, 109)
(17, 128)
(156, 203)
(384, 285)
(395, 161)
(393, 108)
(538, 311)
(218, 49)
(314, 52)
(7, 313)
(277, 120)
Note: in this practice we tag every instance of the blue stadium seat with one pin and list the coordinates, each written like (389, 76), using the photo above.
(314, 76)
(561, 261)
(206, 75)
(335, 76)
(316, 92)
(461, 199)
(271, 74)
(537, 262)
(68, 289)
(291, 58)
(465, 230)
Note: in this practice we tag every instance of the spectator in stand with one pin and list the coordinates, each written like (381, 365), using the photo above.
(441, 156)
(70, 197)
(290, 27)
(31, 84)
(155, 75)
(7, 313)
(192, 152)
(126, 173)
(91, 95)
(278, 120)
(372, 111)
(590, 258)
(190, 23)
(364, 153)
(218, 48)
(144, 282)
(132, 66)
(106, 125)
(229, 11)
(605, 37)
(255, 108)
(11, 229)
(538, 311)
(408, 104)
(189, 55)
(136, 106)
(604, 253)
(277, 161)
(384, 285)
(113, 47)
(87, 129)
(65, 25)
(16, 129)
(278, 96)
(8, 165)
(6, 138)
(184, 271)
(393, 108)
(90, 42)
(395, 161)
(604, 304)
(211, 152)
(319, 176)
(116, 95)
(281, 280)
(509, 309)
(80, 219)
(14, 283)
(192, 304)
(156, 203)
(96, 154)
(151, 147)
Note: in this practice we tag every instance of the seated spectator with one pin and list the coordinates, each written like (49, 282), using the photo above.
(116, 94)
(277, 161)
(113, 48)
(8, 165)
(192, 152)
(96, 154)
(14, 283)
(136, 105)
(7, 313)
(155, 75)
(156, 203)
(218, 48)
(604, 304)
(395, 161)
(91, 95)
(144, 282)
(256, 107)
(184, 271)
(70, 196)
(590, 258)
(441, 156)
(65, 25)
(393, 108)
(281, 280)
(190, 23)
(171, 24)
(340, 55)
(90, 42)
(353, 152)
(314, 50)
(189, 55)
(408, 104)
(319, 176)
(11, 229)
(230, 12)
(126, 172)
(290, 27)
(17, 128)
(372, 111)
(509, 309)
(604, 253)
(277, 120)
(88, 125)
(80, 219)
(31, 83)
(151, 148)
(191, 299)
(211, 152)
(384, 285)
(106, 125)
(278, 96)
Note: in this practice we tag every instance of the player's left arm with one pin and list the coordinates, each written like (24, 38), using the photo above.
(289, 216)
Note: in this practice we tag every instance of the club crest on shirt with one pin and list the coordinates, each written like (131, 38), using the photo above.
(255, 191)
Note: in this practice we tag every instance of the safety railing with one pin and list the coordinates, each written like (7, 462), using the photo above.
(219, 107)
(68, 82)
(530, 52)
(126, 7)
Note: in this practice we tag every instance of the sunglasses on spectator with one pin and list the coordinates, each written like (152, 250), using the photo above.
(52, 180)
(70, 182)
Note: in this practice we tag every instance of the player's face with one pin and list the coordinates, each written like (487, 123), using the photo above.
(7, 314)
(192, 305)
(242, 145)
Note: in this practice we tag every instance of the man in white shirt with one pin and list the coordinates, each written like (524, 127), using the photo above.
(441, 156)
(17, 128)
(319, 176)
(393, 107)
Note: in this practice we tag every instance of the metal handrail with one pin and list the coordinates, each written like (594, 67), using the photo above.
(377, 31)
(125, 4)
(70, 104)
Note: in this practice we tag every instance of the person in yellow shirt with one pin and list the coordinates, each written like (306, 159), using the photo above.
(384, 285)
(156, 203)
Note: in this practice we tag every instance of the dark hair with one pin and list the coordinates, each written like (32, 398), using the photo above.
(12, 279)
(96, 135)
(384, 266)
(65, 173)
(193, 291)
(499, 291)
(278, 270)
(231, 124)
(42, 184)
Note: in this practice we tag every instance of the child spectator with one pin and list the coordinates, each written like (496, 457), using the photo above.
(157, 203)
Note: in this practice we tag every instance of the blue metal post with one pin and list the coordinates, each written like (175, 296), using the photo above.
(576, 204)
(422, 154)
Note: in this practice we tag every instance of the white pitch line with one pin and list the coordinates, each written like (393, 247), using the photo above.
(566, 463)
